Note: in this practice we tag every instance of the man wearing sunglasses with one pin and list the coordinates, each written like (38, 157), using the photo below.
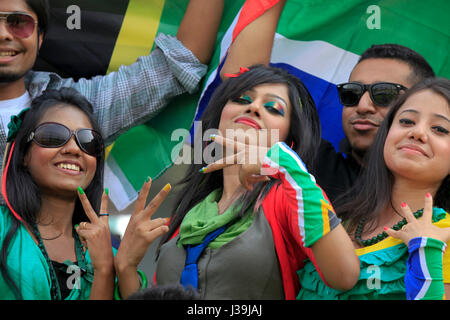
(381, 74)
(121, 99)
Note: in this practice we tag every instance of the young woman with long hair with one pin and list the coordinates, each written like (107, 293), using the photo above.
(398, 233)
(256, 220)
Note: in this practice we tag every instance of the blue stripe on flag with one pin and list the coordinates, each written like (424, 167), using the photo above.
(327, 102)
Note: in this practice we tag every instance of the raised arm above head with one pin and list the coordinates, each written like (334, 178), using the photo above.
(198, 29)
(254, 43)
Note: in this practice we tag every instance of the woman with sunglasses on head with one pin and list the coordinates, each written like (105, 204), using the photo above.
(397, 214)
(226, 209)
(53, 244)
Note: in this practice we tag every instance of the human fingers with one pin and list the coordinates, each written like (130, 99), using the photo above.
(227, 142)
(142, 198)
(428, 208)
(220, 164)
(255, 178)
(81, 235)
(398, 234)
(154, 229)
(407, 213)
(104, 215)
(156, 201)
(90, 213)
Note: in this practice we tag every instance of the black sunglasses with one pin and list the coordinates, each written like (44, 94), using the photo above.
(19, 24)
(381, 93)
(55, 135)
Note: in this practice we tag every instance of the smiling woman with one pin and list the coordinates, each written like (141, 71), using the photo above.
(398, 212)
(55, 150)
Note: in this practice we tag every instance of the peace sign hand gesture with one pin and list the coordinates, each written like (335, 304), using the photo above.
(96, 235)
(420, 227)
(142, 230)
(140, 233)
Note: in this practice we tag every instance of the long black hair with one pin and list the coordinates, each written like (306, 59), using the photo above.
(372, 192)
(23, 194)
(304, 136)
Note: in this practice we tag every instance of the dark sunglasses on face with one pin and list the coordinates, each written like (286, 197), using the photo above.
(19, 24)
(55, 135)
(381, 93)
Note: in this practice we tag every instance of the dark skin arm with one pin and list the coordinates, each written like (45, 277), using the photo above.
(198, 29)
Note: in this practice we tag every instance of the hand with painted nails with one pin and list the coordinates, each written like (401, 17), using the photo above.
(95, 235)
(139, 235)
(248, 157)
(422, 227)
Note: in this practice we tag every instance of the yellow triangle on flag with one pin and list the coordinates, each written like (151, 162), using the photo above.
(136, 35)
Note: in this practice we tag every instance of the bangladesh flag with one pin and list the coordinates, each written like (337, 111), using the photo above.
(318, 41)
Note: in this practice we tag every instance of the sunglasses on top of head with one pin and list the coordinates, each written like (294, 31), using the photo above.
(19, 24)
(55, 135)
(381, 93)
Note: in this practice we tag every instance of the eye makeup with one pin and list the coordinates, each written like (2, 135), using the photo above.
(273, 106)
(243, 99)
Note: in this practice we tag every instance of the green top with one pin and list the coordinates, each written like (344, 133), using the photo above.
(28, 267)
(383, 268)
(205, 218)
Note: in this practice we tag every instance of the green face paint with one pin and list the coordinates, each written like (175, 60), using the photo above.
(274, 107)
(243, 99)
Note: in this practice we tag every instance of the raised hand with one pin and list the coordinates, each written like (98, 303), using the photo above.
(139, 235)
(96, 235)
(142, 230)
(420, 227)
(248, 157)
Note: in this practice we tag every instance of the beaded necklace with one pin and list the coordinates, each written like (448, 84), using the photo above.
(383, 235)
(55, 290)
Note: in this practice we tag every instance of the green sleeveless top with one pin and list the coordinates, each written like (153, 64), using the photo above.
(383, 268)
(28, 267)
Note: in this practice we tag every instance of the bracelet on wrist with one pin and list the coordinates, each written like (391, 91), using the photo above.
(142, 279)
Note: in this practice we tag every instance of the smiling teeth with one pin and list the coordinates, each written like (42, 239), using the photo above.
(7, 53)
(68, 166)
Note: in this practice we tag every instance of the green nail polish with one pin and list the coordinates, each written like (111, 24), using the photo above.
(80, 190)
(107, 191)
(203, 170)
(148, 179)
(75, 226)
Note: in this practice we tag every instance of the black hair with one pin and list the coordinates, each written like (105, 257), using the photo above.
(372, 192)
(22, 192)
(42, 10)
(166, 292)
(304, 135)
(420, 68)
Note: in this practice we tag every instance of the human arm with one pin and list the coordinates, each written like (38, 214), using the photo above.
(135, 93)
(97, 238)
(139, 234)
(254, 43)
(426, 246)
(198, 29)
(309, 217)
